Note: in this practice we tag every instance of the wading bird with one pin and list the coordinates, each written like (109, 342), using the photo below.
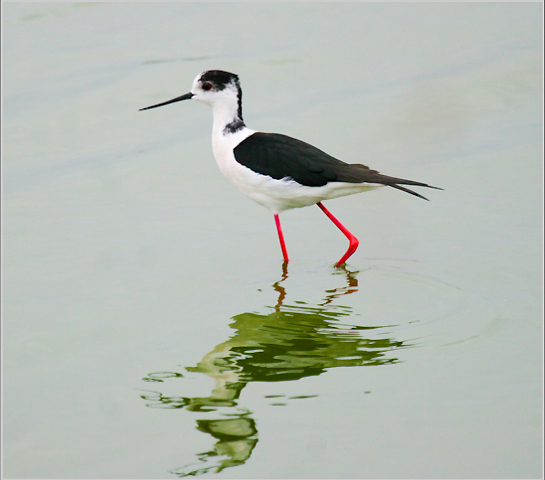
(274, 170)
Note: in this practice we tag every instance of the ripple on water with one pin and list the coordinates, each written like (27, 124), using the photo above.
(390, 306)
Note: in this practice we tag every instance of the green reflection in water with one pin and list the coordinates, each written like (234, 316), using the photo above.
(236, 440)
(290, 342)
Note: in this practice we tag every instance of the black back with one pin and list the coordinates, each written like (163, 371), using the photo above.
(279, 156)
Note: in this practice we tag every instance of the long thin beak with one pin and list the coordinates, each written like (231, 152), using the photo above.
(187, 96)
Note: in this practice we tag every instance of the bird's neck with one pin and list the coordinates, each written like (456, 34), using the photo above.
(228, 131)
(227, 118)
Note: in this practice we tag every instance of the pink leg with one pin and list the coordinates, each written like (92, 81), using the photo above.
(281, 237)
(354, 242)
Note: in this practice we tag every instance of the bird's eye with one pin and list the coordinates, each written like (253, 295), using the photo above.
(206, 86)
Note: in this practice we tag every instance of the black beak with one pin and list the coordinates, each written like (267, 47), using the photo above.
(187, 96)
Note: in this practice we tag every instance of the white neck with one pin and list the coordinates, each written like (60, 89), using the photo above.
(227, 132)
(225, 117)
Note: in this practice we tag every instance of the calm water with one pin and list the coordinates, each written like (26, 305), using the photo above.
(150, 329)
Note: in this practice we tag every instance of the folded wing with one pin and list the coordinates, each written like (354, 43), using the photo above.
(280, 156)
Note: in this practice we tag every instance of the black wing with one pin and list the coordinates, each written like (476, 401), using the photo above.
(280, 156)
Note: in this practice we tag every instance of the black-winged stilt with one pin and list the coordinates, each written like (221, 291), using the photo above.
(277, 171)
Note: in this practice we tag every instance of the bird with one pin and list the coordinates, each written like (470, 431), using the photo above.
(277, 171)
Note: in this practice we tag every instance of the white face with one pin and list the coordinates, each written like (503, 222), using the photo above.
(209, 92)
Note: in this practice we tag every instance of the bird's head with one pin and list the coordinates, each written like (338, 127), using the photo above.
(212, 87)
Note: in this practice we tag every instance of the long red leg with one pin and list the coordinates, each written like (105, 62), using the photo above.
(281, 238)
(354, 242)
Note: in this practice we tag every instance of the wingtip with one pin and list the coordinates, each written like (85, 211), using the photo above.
(403, 189)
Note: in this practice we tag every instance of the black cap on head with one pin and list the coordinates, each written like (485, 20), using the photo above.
(219, 78)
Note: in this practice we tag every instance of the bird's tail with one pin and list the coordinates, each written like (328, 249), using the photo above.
(357, 173)
(417, 184)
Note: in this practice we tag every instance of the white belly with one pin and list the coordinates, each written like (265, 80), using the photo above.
(276, 195)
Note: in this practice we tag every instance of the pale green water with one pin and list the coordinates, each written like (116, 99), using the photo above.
(149, 329)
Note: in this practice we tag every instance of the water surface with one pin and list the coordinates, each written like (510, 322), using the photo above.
(150, 327)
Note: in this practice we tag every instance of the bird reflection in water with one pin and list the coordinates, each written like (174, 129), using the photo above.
(290, 342)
